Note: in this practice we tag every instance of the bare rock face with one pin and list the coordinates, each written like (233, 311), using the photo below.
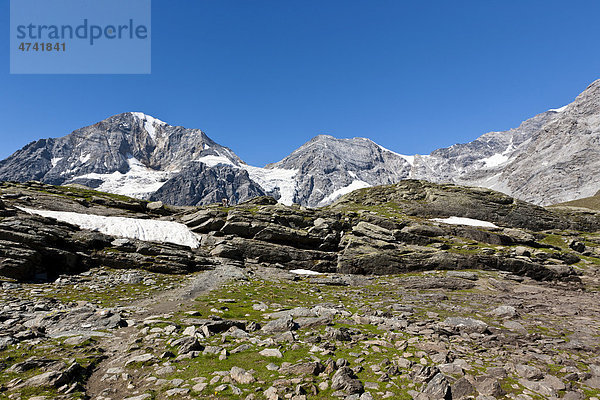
(482, 157)
(199, 184)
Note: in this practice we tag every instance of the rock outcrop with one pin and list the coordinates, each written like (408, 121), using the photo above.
(383, 230)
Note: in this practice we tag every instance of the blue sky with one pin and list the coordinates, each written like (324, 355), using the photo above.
(263, 77)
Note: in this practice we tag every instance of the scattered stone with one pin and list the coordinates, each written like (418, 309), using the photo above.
(577, 246)
(143, 358)
(467, 325)
(529, 372)
(282, 324)
(241, 376)
(504, 312)
(345, 380)
(311, 368)
(438, 388)
(462, 388)
(490, 387)
(271, 394)
(271, 353)
(144, 396)
(199, 387)
(177, 392)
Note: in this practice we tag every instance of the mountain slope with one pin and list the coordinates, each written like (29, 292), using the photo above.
(199, 184)
(484, 155)
(592, 202)
(561, 163)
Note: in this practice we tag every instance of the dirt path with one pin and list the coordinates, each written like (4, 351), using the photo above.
(117, 347)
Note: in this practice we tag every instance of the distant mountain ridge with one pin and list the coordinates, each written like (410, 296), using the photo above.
(550, 158)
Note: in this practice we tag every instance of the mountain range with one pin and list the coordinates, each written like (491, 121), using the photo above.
(548, 159)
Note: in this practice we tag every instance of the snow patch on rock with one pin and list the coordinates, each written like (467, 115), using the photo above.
(304, 272)
(559, 110)
(465, 221)
(495, 160)
(149, 123)
(212, 161)
(268, 178)
(409, 159)
(356, 184)
(132, 228)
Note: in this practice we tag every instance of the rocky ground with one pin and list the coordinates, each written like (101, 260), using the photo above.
(403, 307)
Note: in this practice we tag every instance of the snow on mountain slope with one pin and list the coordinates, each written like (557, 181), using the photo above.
(213, 160)
(560, 161)
(273, 180)
(133, 228)
(476, 163)
(139, 181)
(559, 110)
(549, 158)
(409, 159)
(132, 154)
(495, 160)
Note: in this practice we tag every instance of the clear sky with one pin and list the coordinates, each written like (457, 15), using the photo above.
(263, 77)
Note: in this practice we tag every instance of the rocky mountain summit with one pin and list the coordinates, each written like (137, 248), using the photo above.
(411, 290)
(343, 165)
(548, 159)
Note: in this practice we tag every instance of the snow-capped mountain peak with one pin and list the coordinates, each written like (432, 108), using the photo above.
(150, 123)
